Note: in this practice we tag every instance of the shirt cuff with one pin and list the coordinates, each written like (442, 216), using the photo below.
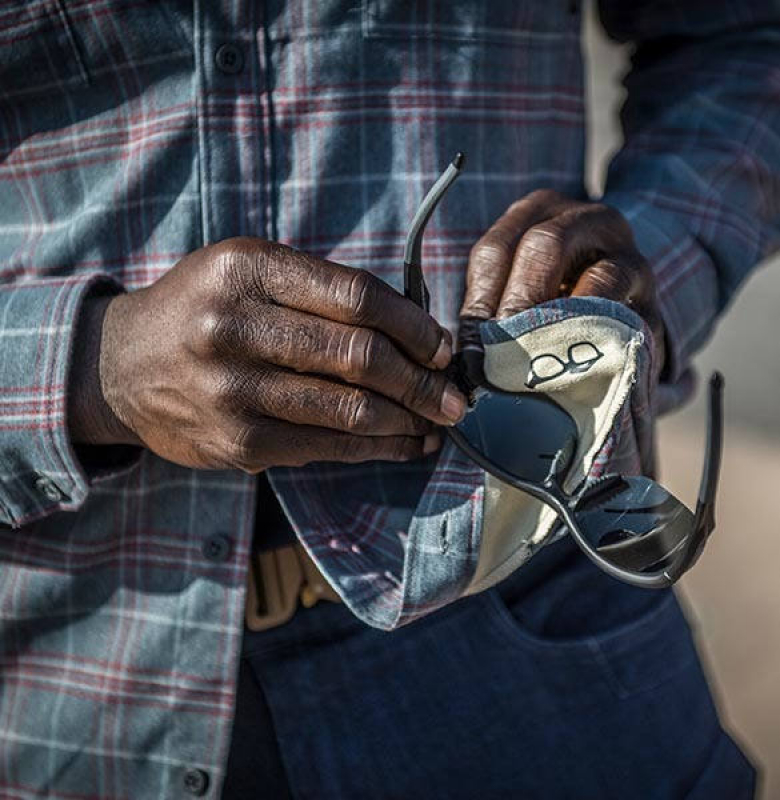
(41, 472)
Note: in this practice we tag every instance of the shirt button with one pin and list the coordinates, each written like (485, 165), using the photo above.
(196, 782)
(48, 488)
(216, 548)
(229, 59)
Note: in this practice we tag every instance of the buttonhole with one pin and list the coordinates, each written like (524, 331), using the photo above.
(444, 541)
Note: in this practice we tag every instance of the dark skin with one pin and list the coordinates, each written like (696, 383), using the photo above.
(547, 245)
(248, 354)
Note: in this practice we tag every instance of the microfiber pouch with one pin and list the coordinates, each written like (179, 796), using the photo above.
(392, 561)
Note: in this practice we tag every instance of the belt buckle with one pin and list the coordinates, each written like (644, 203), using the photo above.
(277, 580)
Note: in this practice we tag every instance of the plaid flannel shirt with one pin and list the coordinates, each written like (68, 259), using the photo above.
(133, 132)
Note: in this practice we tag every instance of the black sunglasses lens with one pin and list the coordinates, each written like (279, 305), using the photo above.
(634, 523)
(521, 433)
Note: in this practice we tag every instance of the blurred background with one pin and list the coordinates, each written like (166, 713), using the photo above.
(733, 594)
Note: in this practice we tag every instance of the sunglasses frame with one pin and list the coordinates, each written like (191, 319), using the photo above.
(551, 491)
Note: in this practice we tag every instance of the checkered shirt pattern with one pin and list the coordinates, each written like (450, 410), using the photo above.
(125, 144)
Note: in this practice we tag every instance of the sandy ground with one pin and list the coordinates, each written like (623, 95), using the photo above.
(733, 594)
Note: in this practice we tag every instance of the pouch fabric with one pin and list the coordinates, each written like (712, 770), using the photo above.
(467, 530)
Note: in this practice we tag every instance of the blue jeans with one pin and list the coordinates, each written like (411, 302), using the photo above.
(574, 687)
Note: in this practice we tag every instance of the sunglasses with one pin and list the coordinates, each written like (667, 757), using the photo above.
(629, 526)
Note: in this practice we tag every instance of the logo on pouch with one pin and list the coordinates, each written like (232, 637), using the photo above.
(581, 357)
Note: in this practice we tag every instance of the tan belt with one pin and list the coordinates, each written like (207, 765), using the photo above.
(278, 581)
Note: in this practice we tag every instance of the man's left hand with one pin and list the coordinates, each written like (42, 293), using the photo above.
(547, 245)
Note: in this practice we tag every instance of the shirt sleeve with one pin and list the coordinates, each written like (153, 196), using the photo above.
(698, 176)
(40, 471)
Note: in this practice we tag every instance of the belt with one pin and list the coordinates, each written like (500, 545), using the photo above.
(279, 582)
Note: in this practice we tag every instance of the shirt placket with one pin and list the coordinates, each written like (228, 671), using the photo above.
(234, 119)
(235, 174)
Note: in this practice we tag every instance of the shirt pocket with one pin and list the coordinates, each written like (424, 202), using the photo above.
(500, 21)
(51, 46)
(38, 50)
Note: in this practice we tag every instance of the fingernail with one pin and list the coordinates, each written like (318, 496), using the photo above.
(453, 404)
(443, 354)
(431, 443)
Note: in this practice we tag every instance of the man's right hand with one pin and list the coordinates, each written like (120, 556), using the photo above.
(248, 354)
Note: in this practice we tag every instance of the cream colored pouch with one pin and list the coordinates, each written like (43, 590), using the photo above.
(392, 562)
(588, 365)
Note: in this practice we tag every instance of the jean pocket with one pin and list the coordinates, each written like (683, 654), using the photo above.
(634, 656)
(728, 773)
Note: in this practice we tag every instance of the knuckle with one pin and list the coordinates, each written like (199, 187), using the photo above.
(261, 268)
(514, 301)
(244, 266)
(612, 279)
(365, 353)
(228, 261)
(479, 308)
(215, 331)
(628, 269)
(491, 249)
(209, 333)
(521, 204)
(269, 264)
(541, 244)
(544, 197)
(478, 302)
(359, 412)
(363, 296)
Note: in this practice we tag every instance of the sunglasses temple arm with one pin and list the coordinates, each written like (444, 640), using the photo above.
(705, 507)
(414, 283)
(704, 522)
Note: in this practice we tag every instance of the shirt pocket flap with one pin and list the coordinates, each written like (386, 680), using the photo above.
(48, 46)
(38, 50)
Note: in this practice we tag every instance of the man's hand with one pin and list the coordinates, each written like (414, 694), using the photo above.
(248, 354)
(547, 246)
